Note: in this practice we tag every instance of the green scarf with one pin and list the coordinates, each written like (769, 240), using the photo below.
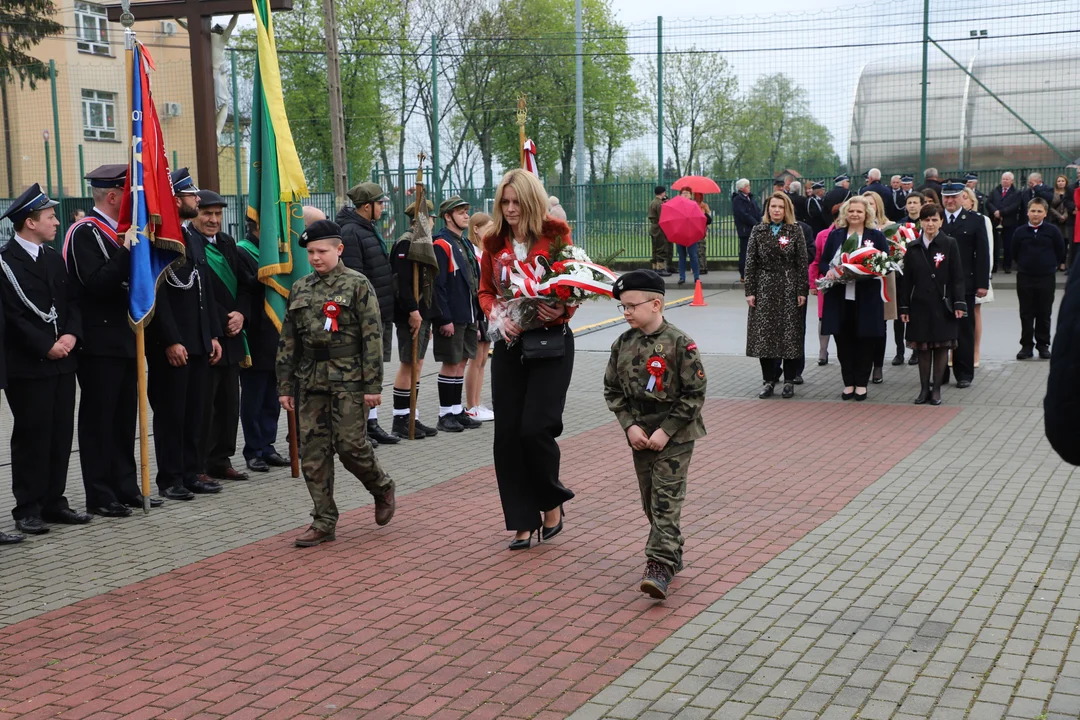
(224, 271)
(252, 248)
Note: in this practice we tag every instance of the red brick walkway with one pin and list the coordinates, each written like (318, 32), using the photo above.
(432, 616)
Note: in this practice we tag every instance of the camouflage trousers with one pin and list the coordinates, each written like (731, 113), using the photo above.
(662, 481)
(661, 252)
(335, 423)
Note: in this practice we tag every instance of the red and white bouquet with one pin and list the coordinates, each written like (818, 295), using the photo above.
(854, 263)
(565, 275)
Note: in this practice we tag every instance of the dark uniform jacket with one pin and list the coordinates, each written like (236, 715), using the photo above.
(454, 294)
(232, 348)
(98, 269)
(746, 211)
(1038, 251)
(188, 317)
(969, 231)
(833, 200)
(883, 191)
(366, 253)
(871, 308)
(1005, 202)
(896, 206)
(819, 217)
(1062, 403)
(262, 335)
(28, 338)
(934, 185)
(404, 300)
(930, 274)
(1041, 190)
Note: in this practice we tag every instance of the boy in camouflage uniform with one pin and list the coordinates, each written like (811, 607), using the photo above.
(655, 385)
(331, 346)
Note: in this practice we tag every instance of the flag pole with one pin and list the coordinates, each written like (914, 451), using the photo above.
(128, 20)
(419, 211)
(522, 115)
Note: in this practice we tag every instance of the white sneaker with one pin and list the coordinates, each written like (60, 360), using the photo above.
(481, 413)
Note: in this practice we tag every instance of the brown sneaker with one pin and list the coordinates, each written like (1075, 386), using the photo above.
(655, 580)
(314, 536)
(384, 507)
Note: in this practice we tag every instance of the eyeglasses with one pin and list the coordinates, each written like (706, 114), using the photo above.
(632, 306)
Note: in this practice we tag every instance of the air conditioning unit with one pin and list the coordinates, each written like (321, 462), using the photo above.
(168, 28)
(171, 109)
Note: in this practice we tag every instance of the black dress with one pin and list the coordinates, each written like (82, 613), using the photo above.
(932, 283)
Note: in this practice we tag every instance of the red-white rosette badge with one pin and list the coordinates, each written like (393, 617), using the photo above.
(938, 259)
(331, 310)
(784, 240)
(657, 366)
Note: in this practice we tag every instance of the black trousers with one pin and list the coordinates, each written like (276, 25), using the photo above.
(1007, 249)
(898, 328)
(963, 359)
(178, 396)
(44, 423)
(528, 399)
(771, 367)
(856, 354)
(744, 242)
(1036, 296)
(259, 412)
(221, 419)
(108, 413)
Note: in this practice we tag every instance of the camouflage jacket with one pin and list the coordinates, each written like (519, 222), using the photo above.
(672, 403)
(355, 349)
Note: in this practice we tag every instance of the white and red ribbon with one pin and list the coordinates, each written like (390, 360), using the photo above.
(530, 157)
(526, 280)
(853, 262)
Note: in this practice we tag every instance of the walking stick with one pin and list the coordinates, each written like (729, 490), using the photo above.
(414, 378)
(294, 453)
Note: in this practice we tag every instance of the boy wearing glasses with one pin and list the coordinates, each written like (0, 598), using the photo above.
(655, 385)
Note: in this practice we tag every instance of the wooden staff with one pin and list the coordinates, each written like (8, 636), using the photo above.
(294, 454)
(522, 115)
(414, 379)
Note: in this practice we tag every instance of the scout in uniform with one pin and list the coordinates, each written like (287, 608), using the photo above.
(42, 326)
(99, 264)
(655, 385)
(331, 346)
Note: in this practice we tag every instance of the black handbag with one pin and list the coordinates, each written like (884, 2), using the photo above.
(546, 343)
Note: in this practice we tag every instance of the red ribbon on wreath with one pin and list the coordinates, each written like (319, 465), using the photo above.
(657, 365)
(331, 310)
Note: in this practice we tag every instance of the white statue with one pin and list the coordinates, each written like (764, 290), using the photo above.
(219, 39)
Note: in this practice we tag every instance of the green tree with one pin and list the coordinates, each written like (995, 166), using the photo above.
(23, 24)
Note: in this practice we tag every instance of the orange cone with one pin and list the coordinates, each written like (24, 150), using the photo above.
(699, 299)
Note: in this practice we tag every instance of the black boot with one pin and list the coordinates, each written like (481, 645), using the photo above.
(400, 428)
(379, 435)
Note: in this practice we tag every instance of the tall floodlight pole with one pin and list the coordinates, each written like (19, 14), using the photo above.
(660, 100)
(579, 121)
(925, 57)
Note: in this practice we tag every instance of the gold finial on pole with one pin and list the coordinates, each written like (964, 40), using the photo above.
(522, 116)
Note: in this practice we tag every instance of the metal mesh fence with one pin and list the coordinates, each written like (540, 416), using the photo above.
(808, 94)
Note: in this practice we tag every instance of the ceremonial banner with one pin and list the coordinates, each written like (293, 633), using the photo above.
(276, 182)
(148, 215)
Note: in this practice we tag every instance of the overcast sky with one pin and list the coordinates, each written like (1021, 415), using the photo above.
(631, 12)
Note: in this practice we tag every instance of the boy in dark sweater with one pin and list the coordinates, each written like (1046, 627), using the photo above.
(1038, 250)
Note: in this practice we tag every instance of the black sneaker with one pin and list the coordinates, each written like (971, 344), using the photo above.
(1025, 355)
(449, 423)
(379, 435)
(467, 422)
(788, 391)
(899, 359)
(655, 580)
(429, 431)
(400, 428)
(766, 390)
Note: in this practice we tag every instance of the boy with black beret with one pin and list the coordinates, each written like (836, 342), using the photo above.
(655, 385)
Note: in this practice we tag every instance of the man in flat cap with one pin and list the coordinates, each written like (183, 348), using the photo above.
(182, 342)
(331, 349)
(99, 264)
(454, 313)
(412, 316)
(42, 326)
(231, 282)
(367, 253)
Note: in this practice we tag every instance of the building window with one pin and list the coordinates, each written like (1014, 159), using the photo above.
(99, 115)
(91, 29)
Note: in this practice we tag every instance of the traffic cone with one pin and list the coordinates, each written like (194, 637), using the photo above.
(699, 299)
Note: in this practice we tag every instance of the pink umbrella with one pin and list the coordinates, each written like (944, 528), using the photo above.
(682, 221)
(697, 183)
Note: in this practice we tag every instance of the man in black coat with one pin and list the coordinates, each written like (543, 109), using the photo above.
(815, 209)
(969, 231)
(901, 191)
(747, 214)
(1062, 404)
(6, 538)
(874, 184)
(835, 198)
(931, 181)
(366, 252)
(259, 406)
(231, 284)
(42, 326)
(1003, 209)
(1036, 188)
(181, 344)
(99, 265)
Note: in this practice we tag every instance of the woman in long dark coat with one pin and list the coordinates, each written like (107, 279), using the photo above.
(776, 288)
(853, 313)
(932, 300)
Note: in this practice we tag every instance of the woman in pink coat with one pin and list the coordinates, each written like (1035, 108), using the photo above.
(823, 340)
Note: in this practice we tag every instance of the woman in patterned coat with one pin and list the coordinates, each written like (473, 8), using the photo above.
(776, 289)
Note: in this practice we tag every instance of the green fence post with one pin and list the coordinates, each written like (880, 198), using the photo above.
(82, 173)
(660, 99)
(56, 131)
(435, 167)
(175, 164)
(925, 56)
(48, 170)
(236, 126)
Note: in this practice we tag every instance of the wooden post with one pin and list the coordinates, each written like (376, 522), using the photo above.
(294, 453)
(414, 379)
(144, 417)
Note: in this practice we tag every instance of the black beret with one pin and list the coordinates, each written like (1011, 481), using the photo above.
(320, 230)
(646, 280)
(659, 189)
